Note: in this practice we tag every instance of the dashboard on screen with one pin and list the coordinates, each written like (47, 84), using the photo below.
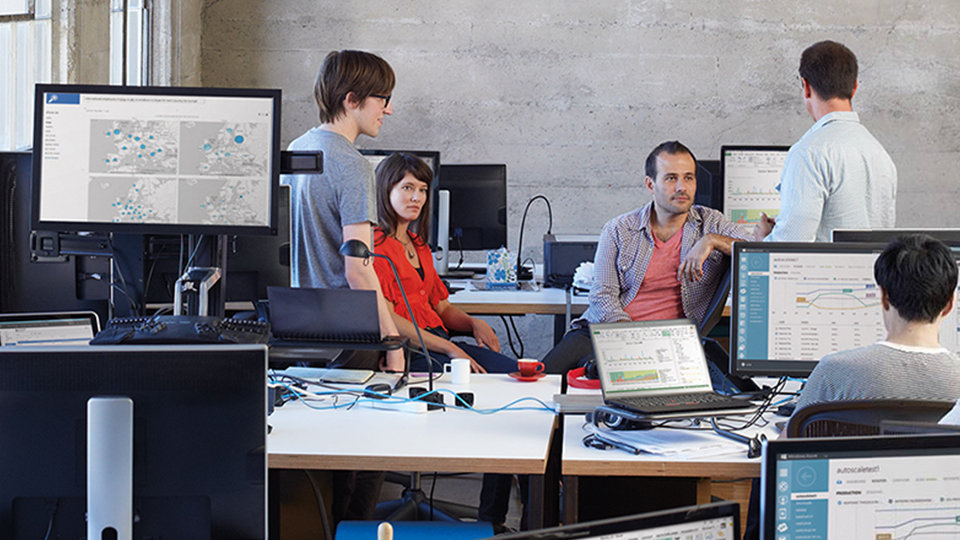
(860, 487)
(751, 175)
(794, 303)
(151, 159)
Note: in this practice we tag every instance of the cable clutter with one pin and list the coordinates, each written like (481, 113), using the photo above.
(609, 427)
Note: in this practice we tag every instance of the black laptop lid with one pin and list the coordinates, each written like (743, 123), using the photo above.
(323, 314)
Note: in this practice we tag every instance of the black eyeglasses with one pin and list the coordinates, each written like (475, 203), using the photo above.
(386, 99)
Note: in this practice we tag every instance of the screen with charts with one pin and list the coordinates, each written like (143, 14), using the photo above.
(66, 331)
(878, 488)
(792, 304)
(751, 175)
(130, 159)
(649, 356)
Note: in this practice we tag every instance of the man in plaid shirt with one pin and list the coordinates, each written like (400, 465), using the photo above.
(663, 260)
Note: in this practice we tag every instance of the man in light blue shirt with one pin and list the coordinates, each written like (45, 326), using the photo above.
(837, 175)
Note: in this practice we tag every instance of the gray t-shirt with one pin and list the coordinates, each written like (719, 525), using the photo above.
(322, 204)
(883, 371)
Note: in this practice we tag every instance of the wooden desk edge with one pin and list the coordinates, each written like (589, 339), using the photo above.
(407, 463)
(711, 469)
(517, 309)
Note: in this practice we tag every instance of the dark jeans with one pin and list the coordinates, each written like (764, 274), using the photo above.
(491, 361)
(495, 497)
(574, 350)
(355, 494)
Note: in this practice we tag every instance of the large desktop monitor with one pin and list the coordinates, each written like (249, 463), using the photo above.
(869, 487)
(155, 160)
(198, 429)
(751, 175)
(794, 303)
(950, 237)
(478, 205)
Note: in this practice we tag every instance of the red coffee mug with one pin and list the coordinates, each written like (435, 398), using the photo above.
(529, 367)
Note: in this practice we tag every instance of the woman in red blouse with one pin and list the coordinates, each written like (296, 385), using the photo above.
(403, 183)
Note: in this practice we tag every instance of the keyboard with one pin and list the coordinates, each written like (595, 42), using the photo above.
(696, 401)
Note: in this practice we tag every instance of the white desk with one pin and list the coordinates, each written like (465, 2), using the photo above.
(512, 302)
(446, 441)
(579, 460)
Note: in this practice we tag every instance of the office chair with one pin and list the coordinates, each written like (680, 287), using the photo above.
(718, 301)
(414, 504)
(861, 417)
(718, 359)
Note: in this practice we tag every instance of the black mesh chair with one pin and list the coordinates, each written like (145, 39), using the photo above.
(861, 417)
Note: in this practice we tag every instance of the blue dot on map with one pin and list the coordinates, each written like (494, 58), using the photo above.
(238, 138)
(116, 132)
(136, 138)
(206, 146)
(142, 146)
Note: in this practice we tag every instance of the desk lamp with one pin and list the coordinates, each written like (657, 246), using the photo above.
(356, 248)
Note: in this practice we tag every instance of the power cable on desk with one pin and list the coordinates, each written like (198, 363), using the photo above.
(376, 397)
(507, 326)
(523, 222)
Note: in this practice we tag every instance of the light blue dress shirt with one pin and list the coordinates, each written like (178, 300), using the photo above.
(837, 176)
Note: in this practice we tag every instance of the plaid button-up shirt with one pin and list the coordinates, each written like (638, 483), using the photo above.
(625, 249)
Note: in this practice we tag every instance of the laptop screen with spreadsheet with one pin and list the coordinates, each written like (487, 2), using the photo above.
(643, 358)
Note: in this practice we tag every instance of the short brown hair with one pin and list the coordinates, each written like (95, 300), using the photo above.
(390, 172)
(830, 69)
(347, 71)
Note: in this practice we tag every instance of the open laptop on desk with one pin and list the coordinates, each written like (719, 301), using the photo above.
(52, 328)
(718, 521)
(658, 369)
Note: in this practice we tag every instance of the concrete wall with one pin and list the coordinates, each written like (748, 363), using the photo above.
(572, 95)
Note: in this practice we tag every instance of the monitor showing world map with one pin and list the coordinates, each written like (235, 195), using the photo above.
(155, 160)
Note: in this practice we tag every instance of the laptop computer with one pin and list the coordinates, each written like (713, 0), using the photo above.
(51, 328)
(718, 521)
(299, 315)
(658, 369)
(861, 487)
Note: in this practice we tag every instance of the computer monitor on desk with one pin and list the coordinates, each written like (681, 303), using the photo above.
(794, 303)
(478, 205)
(950, 237)
(870, 487)
(750, 178)
(156, 159)
(198, 428)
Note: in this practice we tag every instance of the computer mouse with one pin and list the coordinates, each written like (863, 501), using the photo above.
(377, 390)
